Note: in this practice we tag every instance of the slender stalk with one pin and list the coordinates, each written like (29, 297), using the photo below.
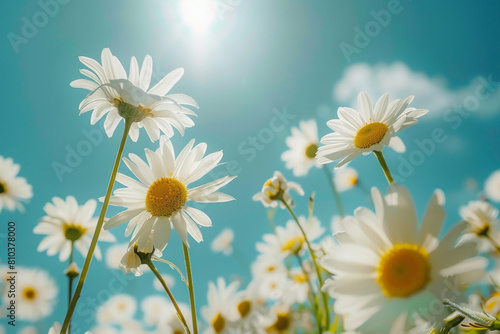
(170, 295)
(493, 242)
(314, 301)
(385, 168)
(98, 229)
(191, 288)
(316, 267)
(329, 176)
(70, 281)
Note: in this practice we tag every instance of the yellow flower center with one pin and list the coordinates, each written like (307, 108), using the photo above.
(276, 192)
(491, 305)
(29, 293)
(311, 151)
(271, 269)
(244, 308)
(3, 188)
(353, 180)
(293, 245)
(282, 323)
(403, 270)
(73, 231)
(218, 323)
(165, 196)
(370, 134)
(300, 278)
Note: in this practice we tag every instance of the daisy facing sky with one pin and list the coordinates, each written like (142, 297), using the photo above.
(158, 199)
(13, 189)
(112, 93)
(367, 129)
(386, 266)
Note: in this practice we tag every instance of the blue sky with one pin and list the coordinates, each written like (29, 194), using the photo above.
(255, 59)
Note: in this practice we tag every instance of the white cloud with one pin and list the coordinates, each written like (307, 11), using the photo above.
(481, 97)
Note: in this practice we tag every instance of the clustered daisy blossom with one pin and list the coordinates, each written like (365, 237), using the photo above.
(277, 189)
(482, 218)
(13, 189)
(367, 129)
(119, 96)
(386, 266)
(303, 145)
(158, 199)
(67, 224)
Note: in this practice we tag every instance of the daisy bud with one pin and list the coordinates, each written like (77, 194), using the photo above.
(72, 271)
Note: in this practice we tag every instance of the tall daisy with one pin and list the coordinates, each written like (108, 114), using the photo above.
(158, 199)
(67, 224)
(303, 144)
(36, 294)
(119, 96)
(386, 266)
(13, 189)
(367, 129)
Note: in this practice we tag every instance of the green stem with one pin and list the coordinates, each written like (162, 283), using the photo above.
(493, 242)
(70, 281)
(191, 288)
(316, 267)
(329, 176)
(314, 301)
(98, 229)
(385, 168)
(170, 295)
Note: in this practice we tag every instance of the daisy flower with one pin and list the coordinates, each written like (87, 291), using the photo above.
(492, 186)
(220, 311)
(345, 178)
(303, 144)
(387, 266)
(68, 223)
(152, 307)
(276, 189)
(250, 311)
(159, 198)
(288, 239)
(13, 189)
(223, 242)
(113, 94)
(118, 308)
(482, 219)
(283, 320)
(36, 294)
(367, 129)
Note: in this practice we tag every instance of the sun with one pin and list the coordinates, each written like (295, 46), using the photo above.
(197, 14)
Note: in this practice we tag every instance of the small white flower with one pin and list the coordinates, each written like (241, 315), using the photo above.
(223, 242)
(282, 320)
(152, 307)
(386, 265)
(115, 310)
(492, 186)
(265, 266)
(221, 310)
(303, 144)
(276, 189)
(13, 189)
(115, 95)
(482, 218)
(36, 294)
(66, 223)
(158, 200)
(367, 129)
(289, 240)
(28, 330)
(345, 178)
